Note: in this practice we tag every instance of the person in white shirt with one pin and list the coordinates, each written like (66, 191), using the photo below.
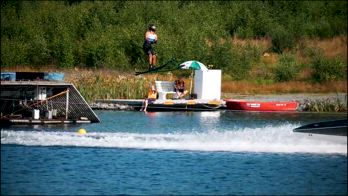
(150, 39)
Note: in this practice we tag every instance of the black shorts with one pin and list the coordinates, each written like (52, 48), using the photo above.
(148, 49)
(151, 100)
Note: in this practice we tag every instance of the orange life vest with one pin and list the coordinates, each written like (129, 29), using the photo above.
(152, 95)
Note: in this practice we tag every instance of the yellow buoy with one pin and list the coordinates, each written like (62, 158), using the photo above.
(82, 131)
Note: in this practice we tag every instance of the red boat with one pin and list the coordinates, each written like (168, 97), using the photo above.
(234, 104)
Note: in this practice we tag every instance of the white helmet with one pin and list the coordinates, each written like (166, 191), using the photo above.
(152, 27)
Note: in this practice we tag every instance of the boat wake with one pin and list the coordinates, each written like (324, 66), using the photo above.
(273, 139)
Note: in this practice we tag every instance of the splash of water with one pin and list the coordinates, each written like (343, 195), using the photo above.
(274, 139)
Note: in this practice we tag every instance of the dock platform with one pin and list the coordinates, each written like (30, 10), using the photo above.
(43, 102)
(43, 121)
(160, 105)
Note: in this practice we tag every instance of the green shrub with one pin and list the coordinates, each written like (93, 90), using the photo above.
(328, 69)
(241, 59)
(263, 72)
(234, 60)
(110, 33)
(13, 52)
(286, 69)
(281, 39)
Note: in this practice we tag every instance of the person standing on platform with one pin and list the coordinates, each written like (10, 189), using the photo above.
(150, 39)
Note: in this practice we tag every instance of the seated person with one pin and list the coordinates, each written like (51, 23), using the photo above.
(179, 88)
(151, 97)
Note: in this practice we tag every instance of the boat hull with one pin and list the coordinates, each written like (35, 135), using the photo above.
(335, 127)
(233, 104)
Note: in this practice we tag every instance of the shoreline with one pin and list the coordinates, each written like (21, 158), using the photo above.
(326, 101)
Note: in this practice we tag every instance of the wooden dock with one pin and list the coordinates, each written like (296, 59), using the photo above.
(43, 102)
(160, 105)
(45, 121)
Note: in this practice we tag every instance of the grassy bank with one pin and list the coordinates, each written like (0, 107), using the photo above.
(271, 74)
(108, 84)
(111, 84)
(249, 87)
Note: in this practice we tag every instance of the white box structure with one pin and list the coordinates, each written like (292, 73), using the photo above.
(36, 114)
(41, 93)
(207, 84)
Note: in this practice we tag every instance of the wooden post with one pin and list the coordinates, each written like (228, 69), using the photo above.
(191, 83)
(67, 104)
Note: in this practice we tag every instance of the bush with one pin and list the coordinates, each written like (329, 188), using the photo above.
(328, 69)
(281, 39)
(110, 33)
(234, 60)
(13, 52)
(286, 69)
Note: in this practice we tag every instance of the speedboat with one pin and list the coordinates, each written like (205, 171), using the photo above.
(334, 127)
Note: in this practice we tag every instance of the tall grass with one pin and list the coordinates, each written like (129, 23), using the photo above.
(325, 105)
(252, 87)
(110, 84)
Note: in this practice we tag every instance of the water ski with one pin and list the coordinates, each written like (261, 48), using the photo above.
(155, 69)
(150, 70)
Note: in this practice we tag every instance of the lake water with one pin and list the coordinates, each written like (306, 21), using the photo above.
(190, 153)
